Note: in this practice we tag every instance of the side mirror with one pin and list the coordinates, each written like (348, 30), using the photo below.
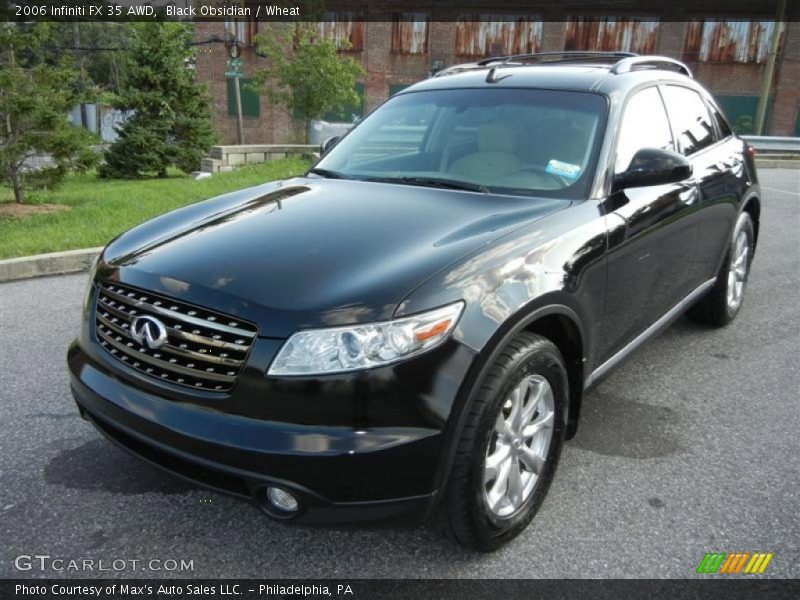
(654, 166)
(328, 143)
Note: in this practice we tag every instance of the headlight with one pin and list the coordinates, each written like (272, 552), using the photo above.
(335, 350)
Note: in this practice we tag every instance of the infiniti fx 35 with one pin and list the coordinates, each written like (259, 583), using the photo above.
(406, 333)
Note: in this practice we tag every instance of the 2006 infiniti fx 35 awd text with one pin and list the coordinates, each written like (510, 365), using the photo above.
(406, 333)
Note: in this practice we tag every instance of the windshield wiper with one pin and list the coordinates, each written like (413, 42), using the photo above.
(441, 182)
(328, 174)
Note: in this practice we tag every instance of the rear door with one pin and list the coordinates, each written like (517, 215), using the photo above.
(718, 162)
(652, 232)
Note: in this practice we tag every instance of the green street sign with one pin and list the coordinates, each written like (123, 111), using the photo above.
(235, 62)
(233, 73)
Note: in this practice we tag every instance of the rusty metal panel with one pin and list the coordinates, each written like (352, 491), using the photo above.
(612, 34)
(729, 41)
(494, 35)
(410, 33)
(343, 27)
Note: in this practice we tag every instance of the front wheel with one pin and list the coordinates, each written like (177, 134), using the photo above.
(722, 303)
(509, 448)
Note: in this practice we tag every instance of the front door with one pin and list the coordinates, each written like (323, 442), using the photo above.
(652, 232)
(718, 169)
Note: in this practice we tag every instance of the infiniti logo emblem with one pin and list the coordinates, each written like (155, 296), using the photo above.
(149, 332)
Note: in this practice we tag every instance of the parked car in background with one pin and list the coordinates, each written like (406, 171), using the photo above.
(407, 332)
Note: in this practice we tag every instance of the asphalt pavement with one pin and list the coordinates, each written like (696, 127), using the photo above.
(692, 447)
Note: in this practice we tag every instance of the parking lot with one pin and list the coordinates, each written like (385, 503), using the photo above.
(692, 447)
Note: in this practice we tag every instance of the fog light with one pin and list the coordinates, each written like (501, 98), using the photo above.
(282, 499)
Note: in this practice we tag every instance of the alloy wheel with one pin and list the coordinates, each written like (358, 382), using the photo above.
(518, 448)
(738, 270)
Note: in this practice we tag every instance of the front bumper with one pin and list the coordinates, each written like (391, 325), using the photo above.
(362, 472)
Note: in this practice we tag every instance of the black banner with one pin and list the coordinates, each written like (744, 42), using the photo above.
(388, 589)
(386, 10)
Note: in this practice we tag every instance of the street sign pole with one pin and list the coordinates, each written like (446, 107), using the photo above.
(239, 124)
(235, 71)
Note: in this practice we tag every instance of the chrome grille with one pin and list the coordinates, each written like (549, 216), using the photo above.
(204, 350)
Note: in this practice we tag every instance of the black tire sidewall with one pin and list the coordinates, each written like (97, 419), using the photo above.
(541, 360)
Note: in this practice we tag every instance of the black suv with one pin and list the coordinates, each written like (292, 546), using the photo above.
(406, 333)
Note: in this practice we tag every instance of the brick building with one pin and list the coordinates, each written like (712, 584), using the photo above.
(728, 57)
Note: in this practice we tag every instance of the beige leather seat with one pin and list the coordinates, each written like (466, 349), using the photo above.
(494, 158)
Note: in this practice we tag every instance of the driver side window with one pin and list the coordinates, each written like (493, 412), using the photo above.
(644, 125)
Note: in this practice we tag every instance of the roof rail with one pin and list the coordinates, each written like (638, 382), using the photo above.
(566, 54)
(626, 65)
(457, 69)
(624, 62)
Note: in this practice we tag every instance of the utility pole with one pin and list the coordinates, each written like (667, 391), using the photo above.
(769, 70)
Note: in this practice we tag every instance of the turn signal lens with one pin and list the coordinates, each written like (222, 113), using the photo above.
(340, 349)
(433, 331)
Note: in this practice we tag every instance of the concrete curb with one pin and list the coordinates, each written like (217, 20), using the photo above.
(54, 263)
(764, 162)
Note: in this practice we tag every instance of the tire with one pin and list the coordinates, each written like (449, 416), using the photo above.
(468, 512)
(717, 307)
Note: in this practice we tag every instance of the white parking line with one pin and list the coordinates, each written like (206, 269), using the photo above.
(772, 189)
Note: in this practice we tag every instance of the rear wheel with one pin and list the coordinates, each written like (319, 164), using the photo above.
(509, 448)
(722, 303)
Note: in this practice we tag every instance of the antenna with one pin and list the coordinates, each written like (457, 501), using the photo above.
(493, 77)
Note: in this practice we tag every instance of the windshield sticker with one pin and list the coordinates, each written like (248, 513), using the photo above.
(556, 167)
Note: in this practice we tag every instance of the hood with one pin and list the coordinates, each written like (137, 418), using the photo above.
(311, 252)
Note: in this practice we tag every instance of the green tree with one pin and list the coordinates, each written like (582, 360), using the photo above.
(170, 115)
(98, 50)
(35, 98)
(305, 72)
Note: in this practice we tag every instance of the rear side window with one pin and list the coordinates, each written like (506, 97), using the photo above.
(689, 115)
(722, 124)
(644, 125)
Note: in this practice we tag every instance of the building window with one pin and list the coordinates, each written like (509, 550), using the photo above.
(242, 31)
(607, 34)
(728, 41)
(345, 28)
(496, 35)
(410, 33)
(251, 102)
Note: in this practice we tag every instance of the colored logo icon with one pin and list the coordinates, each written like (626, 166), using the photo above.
(745, 563)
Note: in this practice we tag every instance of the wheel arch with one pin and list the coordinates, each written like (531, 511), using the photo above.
(564, 331)
(557, 321)
(563, 326)
(752, 206)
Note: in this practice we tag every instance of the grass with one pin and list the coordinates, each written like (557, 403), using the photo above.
(100, 209)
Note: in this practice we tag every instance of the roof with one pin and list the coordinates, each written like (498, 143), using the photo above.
(589, 75)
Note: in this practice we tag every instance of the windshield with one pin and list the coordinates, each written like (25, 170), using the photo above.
(511, 140)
